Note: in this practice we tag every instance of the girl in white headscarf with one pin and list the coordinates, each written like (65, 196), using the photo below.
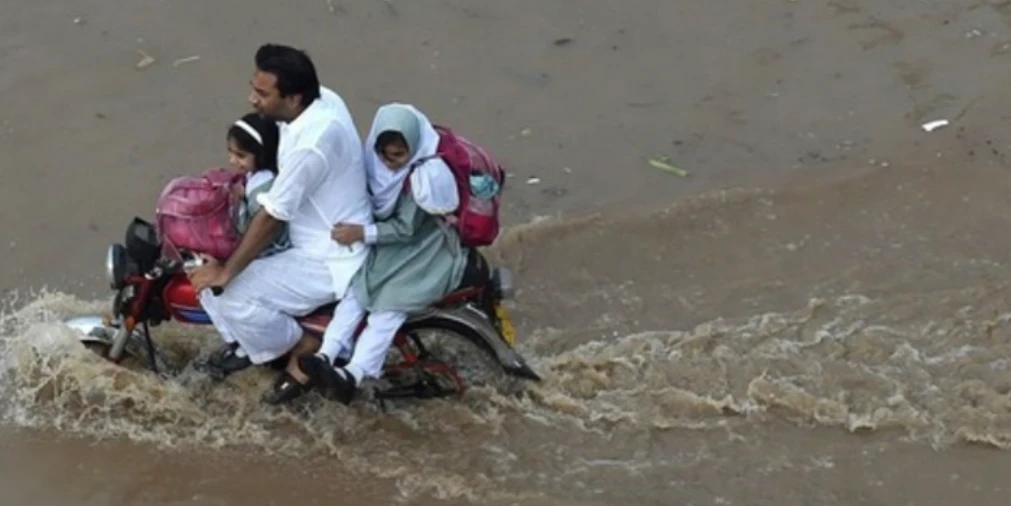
(403, 138)
(415, 258)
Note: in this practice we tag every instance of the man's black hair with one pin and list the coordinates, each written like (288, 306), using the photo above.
(294, 70)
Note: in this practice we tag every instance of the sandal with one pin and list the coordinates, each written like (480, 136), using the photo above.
(285, 388)
(332, 381)
(313, 366)
(224, 362)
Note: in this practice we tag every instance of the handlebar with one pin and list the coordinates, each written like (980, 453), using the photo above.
(191, 261)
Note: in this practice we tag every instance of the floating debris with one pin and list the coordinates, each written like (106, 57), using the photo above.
(930, 126)
(183, 61)
(145, 60)
(526, 132)
(533, 180)
(663, 163)
(564, 41)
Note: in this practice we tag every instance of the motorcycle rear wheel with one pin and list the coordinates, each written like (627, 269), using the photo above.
(469, 362)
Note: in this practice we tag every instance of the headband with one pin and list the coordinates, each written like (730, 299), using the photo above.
(250, 130)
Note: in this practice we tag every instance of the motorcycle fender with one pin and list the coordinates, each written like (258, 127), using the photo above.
(94, 329)
(91, 329)
(473, 319)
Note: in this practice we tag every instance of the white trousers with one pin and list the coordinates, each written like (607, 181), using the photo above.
(369, 353)
(258, 308)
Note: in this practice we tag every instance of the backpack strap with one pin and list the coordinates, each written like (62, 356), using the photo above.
(441, 221)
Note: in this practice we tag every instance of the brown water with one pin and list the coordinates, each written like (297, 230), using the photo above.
(836, 331)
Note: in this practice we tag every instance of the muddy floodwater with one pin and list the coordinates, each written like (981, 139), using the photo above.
(817, 313)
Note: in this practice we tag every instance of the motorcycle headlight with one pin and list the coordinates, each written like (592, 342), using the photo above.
(115, 266)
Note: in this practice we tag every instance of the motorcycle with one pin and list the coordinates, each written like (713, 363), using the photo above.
(151, 287)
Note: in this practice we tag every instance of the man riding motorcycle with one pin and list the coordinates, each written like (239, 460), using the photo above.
(321, 181)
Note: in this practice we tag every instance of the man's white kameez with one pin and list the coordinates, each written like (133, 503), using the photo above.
(321, 182)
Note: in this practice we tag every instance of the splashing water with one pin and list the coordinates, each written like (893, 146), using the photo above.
(851, 362)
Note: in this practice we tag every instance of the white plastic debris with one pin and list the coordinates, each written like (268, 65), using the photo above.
(183, 61)
(930, 126)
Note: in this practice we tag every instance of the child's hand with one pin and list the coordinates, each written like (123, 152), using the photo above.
(347, 233)
(237, 192)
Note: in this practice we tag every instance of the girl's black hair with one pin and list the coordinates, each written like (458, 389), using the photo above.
(264, 156)
(388, 137)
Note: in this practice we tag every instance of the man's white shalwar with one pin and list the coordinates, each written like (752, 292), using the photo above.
(321, 181)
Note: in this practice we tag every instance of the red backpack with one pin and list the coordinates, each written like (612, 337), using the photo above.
(476, 219)
(198, 212)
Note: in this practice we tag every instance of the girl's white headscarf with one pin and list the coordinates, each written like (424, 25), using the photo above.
(432, 183)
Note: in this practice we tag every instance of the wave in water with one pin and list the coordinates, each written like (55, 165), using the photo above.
(852, 362)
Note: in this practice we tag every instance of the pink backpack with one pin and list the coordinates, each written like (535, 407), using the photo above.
(476, 219)
(197, 212)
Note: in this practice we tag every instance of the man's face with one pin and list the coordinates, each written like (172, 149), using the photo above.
(266, 99)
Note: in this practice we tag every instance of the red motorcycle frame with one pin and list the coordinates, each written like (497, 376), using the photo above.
(151, 287)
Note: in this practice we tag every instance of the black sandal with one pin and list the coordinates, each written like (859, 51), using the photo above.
(332, 384)
(285, 389)
(223, 362)
(315, 367)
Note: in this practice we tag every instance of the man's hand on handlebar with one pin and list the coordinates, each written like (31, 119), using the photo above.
(209, 275)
